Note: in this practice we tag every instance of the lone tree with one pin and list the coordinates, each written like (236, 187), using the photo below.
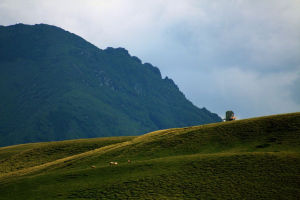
(230, 116)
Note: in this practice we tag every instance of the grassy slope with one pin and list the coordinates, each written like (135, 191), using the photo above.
(256, 158)
(13, 158)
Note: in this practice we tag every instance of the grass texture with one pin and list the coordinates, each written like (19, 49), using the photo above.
(256, 158)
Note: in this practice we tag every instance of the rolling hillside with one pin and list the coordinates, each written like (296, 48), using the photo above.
(256, 158)
(54, 85)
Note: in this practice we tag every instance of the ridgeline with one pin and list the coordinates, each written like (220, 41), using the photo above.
(54, 85)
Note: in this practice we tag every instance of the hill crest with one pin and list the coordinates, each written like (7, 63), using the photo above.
(243, 159)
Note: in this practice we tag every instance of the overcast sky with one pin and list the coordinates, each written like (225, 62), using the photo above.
(240, 55)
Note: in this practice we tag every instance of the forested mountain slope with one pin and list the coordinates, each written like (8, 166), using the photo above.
(54, 85)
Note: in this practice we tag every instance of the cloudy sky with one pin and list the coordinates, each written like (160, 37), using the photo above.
(242, 55)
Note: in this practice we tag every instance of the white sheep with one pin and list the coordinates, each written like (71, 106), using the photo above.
(113, 163)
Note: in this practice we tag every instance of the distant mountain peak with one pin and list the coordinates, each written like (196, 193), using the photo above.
(55, 85)
(119, 50)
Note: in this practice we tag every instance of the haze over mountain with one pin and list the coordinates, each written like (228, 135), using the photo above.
(54, 85)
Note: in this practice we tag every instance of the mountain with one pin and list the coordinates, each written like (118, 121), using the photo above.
(54, 85)
(256, 158)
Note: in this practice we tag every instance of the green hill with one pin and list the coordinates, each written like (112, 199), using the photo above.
(256, 158)
(54, 85)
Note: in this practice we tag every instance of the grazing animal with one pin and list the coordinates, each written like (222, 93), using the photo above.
(129, 161)
(113, 163)
(93, 166)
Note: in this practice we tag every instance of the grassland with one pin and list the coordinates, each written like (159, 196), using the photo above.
(256, 158)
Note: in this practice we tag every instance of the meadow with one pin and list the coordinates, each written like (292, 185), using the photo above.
(257, 158)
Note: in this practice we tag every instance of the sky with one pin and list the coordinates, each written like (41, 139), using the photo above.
(240, 55)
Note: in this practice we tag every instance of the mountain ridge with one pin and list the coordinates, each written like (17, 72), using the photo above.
(57, 86)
